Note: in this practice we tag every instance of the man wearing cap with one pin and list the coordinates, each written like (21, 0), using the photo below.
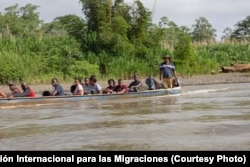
(167, 70)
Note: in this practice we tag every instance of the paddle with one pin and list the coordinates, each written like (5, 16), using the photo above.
(176, 80)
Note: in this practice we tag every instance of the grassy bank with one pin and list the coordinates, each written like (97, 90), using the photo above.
(37, 60)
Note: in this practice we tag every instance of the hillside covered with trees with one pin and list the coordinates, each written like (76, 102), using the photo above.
(114, 39)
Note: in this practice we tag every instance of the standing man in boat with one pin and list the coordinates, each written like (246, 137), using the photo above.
(27, 92)
(58, 91)
(167, 70)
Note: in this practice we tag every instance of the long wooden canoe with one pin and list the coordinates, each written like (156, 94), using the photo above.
(46, 100)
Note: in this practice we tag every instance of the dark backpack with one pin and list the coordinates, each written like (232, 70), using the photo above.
(72, 88)
(46, 93)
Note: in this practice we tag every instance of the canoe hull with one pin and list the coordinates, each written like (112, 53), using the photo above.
(37, 101)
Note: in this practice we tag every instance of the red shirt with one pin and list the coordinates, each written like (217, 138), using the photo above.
(32, 93)
(119, 88)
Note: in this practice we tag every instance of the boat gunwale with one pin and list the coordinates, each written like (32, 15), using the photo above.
(91, 95)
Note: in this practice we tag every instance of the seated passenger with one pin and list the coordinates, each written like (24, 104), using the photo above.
(152, 83)
(135, 85)
(27, 91)
(14, 89)
(121, 87)
(2, 94)
(94, 87)
(58, 91)
(78, 87)
(86, 86)
(111, 86)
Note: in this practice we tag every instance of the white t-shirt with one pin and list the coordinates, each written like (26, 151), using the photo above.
(78, 88)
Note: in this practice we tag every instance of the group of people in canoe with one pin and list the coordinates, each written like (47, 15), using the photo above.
(90, 85)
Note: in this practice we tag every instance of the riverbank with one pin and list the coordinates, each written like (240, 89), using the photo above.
(221, 78)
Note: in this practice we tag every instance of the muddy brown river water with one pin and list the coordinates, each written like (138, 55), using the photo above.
(203, 117)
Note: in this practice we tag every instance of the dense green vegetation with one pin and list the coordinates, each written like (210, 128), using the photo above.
(114, 40)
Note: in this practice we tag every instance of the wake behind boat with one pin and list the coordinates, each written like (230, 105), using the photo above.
(47, 100)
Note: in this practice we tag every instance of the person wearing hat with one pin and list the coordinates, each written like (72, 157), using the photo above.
(167, 71)
(27, 91)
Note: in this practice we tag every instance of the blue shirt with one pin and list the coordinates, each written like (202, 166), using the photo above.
(167, 69)
(59, 90)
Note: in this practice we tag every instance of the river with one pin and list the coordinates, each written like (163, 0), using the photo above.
(203, 117)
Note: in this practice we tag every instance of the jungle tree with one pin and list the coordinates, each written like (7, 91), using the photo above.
(242, 30)
(23, 21)
(203, 30)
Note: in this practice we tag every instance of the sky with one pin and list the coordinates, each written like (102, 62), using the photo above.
(219, 13)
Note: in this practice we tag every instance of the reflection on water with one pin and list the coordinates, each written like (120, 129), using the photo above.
(214, 117)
